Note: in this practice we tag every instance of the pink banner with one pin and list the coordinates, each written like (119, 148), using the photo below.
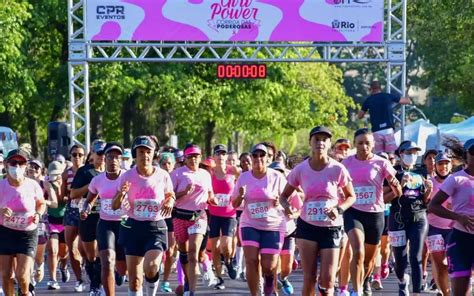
(235, 20)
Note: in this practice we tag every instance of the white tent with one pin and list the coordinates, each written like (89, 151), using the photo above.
(463, 130)
(421, 132)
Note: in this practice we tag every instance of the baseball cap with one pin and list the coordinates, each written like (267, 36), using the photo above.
(60, 158)
(144, 141)
(18, 153)
(259, 147)
(408, 145)
(113, 146)
(55, 168)
(320, 130)
(343, 142)
(220, 148)
(469, 143)
(276, 165)
(36, 162)
(192, 149)
(98, 147)
(442, 156)
(430, 151)
(127, 153)
(210, 162)
(178, 155)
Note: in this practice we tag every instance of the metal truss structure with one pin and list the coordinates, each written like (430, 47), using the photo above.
(392, 52)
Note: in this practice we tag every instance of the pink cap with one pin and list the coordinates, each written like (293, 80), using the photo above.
(192, 150)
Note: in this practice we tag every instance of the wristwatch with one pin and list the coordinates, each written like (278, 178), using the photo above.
(339, 210)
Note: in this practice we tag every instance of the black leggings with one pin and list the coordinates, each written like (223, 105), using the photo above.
(415, 235)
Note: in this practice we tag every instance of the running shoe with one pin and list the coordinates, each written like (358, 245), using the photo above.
(367, 287)
(179, 291)
(384, 271)
(242, 277)
(403, 286)
(424, 283)
(53, 285)
(95, 292)
(433, 286)
(79, 286)
(65, 275)
(39, 273)
(231, 270)
(286, 287)
(377, 284)
(220, 284)
(343, 293)
(119, 279)
(165, 287)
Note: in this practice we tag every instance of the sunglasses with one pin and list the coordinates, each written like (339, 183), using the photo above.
(16, 162)
(258, 155)
(111, 157)
(77, 155)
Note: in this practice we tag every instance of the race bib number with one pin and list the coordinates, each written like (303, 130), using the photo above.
(259, 210)
(435, 243)
(223, 200)
(315, 210)
(106, 208)
(397, 238)
(365, 195)
(76, 203)
(199, 227)
(17, 221)
(41, 229)
(147, 209)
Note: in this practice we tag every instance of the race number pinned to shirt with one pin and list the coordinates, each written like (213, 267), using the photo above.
(17, 221)
(223, 200)
(316, 210)
(106, 208)
(199, 227)
(259, 210)
(147, 209)
(41, 228)
(397, 238)
(365, 195)
(435, 243)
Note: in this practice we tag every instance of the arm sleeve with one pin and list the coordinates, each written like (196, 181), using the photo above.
(365, 105)
(93, 185)
(449, 185)
(293, 178)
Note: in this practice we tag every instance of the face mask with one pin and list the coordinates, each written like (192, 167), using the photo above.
(409, 159)
(17, 173)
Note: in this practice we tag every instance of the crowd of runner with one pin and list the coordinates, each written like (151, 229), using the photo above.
(141, 216)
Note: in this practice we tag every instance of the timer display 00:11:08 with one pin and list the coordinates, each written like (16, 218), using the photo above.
(241, 71)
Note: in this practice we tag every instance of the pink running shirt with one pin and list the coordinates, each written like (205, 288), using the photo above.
(146, 194)
(22, 201)
(223, 189)
(106, 189)
(320, 189)
(434, 220)
(201, 179)
(259, 210)
(367, 179)
(460, 186)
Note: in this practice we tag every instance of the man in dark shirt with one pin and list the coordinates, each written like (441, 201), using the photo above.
(380, 104)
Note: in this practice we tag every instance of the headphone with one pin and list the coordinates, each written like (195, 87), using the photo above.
(141, 140)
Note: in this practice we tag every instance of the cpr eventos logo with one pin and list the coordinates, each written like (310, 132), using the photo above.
(110, 12)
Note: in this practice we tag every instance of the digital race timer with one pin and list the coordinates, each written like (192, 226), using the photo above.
(241, 71)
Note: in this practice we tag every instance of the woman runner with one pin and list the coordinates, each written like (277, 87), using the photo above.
(21, 206)
(320, 224)
(460, 187)
(364, 221)
(104, 187)
(149, 192)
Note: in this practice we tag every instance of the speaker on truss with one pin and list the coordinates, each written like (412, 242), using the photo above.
(59, 139)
